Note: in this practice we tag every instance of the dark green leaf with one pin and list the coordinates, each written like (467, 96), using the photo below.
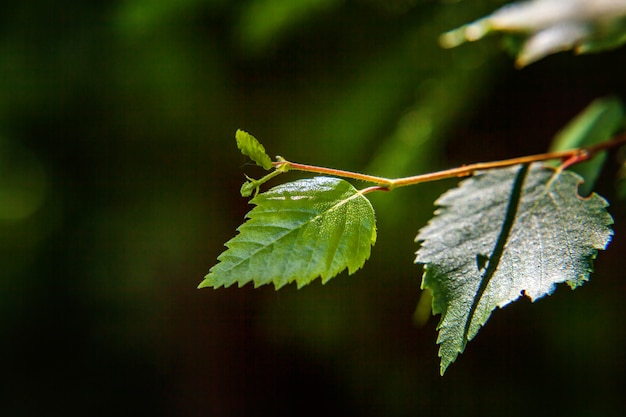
(297, 232)
(503, 234)
(252, 148)
(611, 37)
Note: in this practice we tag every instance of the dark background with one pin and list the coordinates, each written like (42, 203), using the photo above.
(119, 184)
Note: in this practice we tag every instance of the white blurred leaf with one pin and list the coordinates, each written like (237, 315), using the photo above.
(551, 26)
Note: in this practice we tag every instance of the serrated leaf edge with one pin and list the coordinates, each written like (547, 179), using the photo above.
(252, 148)
(300, 283)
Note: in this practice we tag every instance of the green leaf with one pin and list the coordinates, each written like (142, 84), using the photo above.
(251, 147)
(596, 123)
(263, 23)
(503, 234)
(297, 232)
(611, 37)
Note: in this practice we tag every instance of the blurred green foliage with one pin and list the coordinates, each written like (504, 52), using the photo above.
(600, 121)
(120, 182)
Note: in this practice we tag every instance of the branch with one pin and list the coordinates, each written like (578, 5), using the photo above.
(569, 158)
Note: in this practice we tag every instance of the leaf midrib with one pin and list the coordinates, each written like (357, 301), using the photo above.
(499, 248)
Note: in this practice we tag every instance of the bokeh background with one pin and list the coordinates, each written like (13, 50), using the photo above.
(119, 184)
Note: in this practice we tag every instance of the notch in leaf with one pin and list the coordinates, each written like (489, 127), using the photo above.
(252, 148)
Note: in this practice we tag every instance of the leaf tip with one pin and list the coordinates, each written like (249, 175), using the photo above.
(467, 33)
(204, 284)
(447, 358)
(211, 281)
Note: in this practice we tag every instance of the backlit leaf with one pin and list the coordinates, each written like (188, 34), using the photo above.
(503, 234)
(297, 232)
(251, 147)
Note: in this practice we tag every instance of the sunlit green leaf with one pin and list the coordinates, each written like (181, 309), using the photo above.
(251, 147)
(503, 234)
(297, 232)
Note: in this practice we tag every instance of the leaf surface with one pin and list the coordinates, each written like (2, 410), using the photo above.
(251, 147)
(297, 232)
(503, 234)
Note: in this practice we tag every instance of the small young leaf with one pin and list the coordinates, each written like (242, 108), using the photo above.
(596, 123)
(503, 234)
(251, 147)
(297, 232)
(248, 187)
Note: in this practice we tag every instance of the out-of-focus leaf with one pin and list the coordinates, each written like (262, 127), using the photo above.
(596, 123)
(503, 234)
(23, 182)
(297, 232)
(551, 26)
(263, 22)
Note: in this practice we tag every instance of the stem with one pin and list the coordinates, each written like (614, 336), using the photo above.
(252, 186)
(374, 188)
(467, 170)
(386, 182)
(570, 157)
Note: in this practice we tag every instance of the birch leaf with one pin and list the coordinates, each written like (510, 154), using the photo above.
(503, 234)
(297, 232)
